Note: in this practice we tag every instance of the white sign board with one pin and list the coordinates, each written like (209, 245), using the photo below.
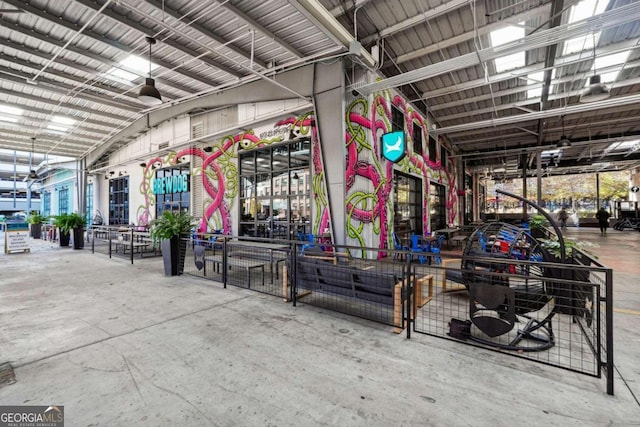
(16, 237)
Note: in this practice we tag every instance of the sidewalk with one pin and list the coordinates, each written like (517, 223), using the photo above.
(120, 344)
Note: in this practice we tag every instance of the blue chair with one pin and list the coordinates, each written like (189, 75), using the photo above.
(417, 249)
(436, 247)
(397, 245)
(306, 238)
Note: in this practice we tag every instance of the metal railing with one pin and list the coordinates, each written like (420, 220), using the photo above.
(126, 242)
(556, 314)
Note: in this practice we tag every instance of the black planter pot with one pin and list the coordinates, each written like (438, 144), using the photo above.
(64, 238)
(173, 255)
(78, 238)
(36, 231)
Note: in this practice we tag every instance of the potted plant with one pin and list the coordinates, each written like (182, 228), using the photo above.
(538, 224)
(77, 222)
(168, 229)
(36, 220)
(62, 223)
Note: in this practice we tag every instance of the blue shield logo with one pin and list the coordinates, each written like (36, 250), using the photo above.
(393, 146)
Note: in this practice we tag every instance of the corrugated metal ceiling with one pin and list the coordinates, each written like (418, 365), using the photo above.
(204, 44)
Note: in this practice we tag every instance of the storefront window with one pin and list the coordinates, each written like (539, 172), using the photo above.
(46, 204)
(89, 204)
(63, 201)
(119, 201)
(172, 190)
(437, 207)
(407, 204)
(274, 191)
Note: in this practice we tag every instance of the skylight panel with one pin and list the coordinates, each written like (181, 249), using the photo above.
(138, 64)
(611, 60)
(121, 75)
(607, 61)
(509, 62)
(579, 44)
(8, 119)
(627, 145)
(586, 9)
(58, 128)
(63, 120)
(583, 10)
(134, 63)
(505, 35)
(7, 109)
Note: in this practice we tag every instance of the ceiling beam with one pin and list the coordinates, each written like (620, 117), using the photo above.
(556, 112)
(343, 10)
(97, 5)
(33, 33)
(43, 14)
(161, 5)
(258, 27)
(54, 103)
(525, 88)
(550, 55)
(421, 18)
(522, 72)
(613, 18)
(87, 121)
(39, 126)
(470, 35)
(66, 90)
(329, 25)
(93, 86)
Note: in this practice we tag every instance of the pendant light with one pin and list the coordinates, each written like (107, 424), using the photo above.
(32, 174)
(564, 141)
(149, 94)
(596, 91)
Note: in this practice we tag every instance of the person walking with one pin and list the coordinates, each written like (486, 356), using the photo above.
(603, 220)
(562, 217)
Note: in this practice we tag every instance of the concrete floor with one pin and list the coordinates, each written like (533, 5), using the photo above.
(120, 344)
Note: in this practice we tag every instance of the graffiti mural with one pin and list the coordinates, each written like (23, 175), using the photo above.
(218, 175)
(369, 177)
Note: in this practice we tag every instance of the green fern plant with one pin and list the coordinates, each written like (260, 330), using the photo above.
(171, 224)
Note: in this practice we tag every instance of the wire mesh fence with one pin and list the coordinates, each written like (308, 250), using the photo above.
(553, 313)
(547, 312)
(124, 242)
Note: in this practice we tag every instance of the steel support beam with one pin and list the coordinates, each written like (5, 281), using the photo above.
(96, 5)
(81, 52)
(161, 5)
(613, 18)
(470, 35)
(37, 11)
(421, 18)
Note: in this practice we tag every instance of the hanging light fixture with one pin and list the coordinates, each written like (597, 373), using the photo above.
(596, 91)
(149, 94)
(564, 141)
(32, 173)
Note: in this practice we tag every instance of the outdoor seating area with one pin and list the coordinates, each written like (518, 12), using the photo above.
(121, 241)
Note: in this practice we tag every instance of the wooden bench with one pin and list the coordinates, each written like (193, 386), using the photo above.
(247, 264)
(319, 275)
(268, 255)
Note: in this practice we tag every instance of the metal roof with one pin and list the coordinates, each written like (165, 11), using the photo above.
(56, 57)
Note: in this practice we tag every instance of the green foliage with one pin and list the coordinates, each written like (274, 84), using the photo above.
(36, 218)
(171, 224)
(67, 222)
(538, 221)
(553, 247)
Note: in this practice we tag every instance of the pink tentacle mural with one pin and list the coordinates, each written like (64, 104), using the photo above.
(219, 175)
(365, 168)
